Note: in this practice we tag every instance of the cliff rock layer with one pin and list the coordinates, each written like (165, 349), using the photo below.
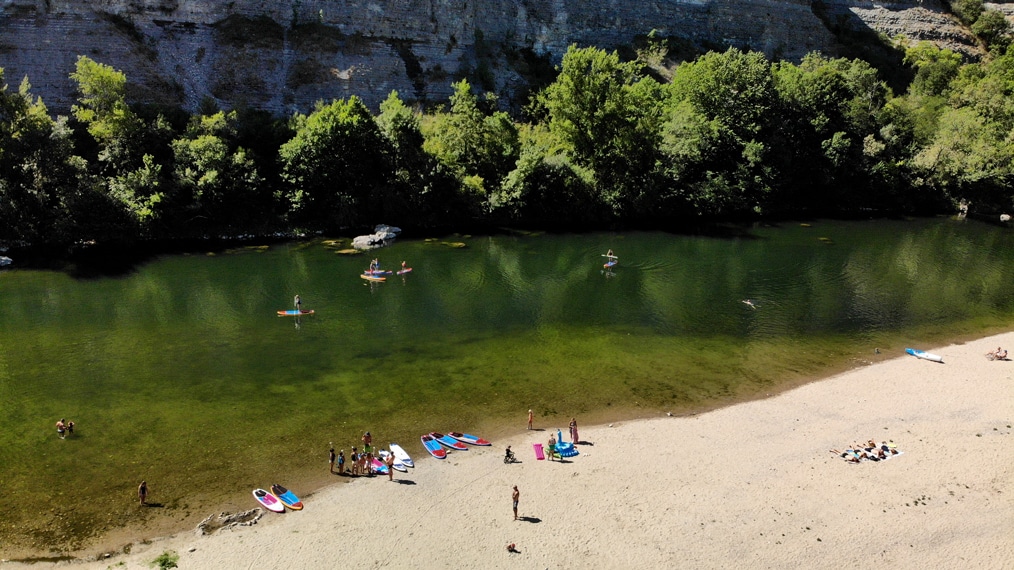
(283, 55)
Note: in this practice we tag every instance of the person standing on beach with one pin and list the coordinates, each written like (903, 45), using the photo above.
(142, 492)
(531, 417)
(330, 460)
(573, 430)
(341, 462)
(61, 429)
(389, 461)
(514, 497)
(367, 442)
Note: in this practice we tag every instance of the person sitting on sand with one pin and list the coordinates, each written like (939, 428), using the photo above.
(1001, 354)
(848, 455)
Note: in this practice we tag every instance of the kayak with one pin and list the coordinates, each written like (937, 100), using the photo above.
(924, 355)
(448, 441)
(401, 455)
(398, 465)
(467, 438)
(294, 313)
(269, 501)
(369, 277)
(287, 497)
(433, 447)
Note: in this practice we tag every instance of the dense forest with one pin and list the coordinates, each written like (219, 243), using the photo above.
(606, 142)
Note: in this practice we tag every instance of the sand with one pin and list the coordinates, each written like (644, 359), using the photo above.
(748, 486)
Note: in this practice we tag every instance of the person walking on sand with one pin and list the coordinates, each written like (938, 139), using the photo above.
(330, 459)
(531, 417)
(573, 430)
(514, 497)
(389, 461)
(61, 429)
(142, 493)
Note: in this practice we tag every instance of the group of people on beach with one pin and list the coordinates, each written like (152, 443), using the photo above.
(359, 462)
(868, 451)
(64, 428)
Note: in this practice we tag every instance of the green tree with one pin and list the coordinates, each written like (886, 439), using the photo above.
(993, 28)
(473, 139)
(733, 93)
(41, 180)
(935, 68)
(335, 165)
(607, 116)
(217, 183)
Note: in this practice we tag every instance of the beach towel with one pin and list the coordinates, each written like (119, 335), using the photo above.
(538, 451)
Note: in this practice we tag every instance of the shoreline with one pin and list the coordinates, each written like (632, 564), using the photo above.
(752, 481)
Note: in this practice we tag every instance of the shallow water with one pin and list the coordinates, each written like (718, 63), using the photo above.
(180, 373)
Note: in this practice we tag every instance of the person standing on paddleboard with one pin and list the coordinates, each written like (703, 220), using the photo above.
(298, 303)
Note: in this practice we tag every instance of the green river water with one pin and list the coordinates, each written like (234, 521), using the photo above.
(179, 372)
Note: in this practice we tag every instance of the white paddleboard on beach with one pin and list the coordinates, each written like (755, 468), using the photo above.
(398, 464)
(401, 455)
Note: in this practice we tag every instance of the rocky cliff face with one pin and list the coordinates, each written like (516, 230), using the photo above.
(283, 55)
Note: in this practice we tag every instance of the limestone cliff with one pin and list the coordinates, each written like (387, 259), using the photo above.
(285, 55)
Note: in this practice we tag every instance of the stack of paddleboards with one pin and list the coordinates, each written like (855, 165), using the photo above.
(277, 499)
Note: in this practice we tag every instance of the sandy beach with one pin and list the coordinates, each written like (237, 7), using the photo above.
(748, 486)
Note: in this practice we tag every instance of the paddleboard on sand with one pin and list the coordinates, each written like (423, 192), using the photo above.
(401, 455)
(434, 447)
(379, 467)
(269, 501)
(287, 497)
(448, 441)
(468, 438)
(924, 355)
(398, 465)
(294, 313)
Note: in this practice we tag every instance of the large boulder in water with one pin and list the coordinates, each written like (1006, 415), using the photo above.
(382, 235)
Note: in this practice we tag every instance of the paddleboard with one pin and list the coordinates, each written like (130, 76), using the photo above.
(449, 441)
(269, 501)
(398, 465)
(372, 277)
(404, 271)
(401, 455)
(924, 355)
(539, 454)
(294, 313)
(287, 497)
(379, 467)
(377, 272)
(434, 447)
(610, 264)
(468, 438)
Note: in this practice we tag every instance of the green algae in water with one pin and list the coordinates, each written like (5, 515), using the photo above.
(181, 374)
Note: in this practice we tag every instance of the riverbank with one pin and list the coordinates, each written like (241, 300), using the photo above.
(753, 484)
